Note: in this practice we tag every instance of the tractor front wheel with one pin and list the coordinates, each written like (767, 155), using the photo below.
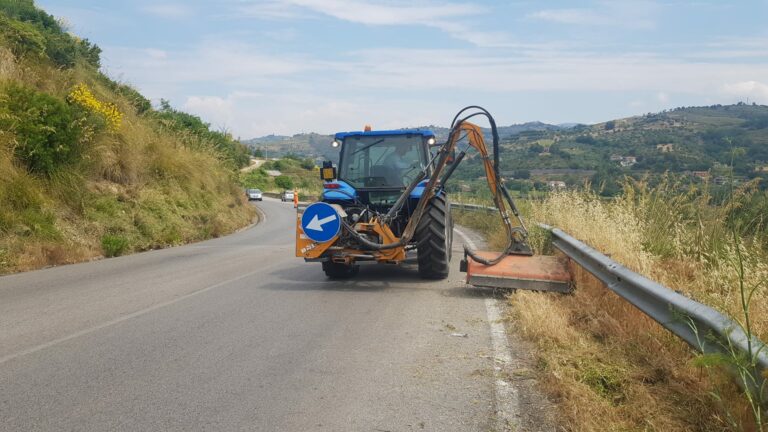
(434, 238)
(339, 271)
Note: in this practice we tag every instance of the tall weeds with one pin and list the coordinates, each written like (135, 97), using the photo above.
(129, 183)
(610, 366)
(680, 236)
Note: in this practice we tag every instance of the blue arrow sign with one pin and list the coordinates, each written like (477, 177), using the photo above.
(320, 222)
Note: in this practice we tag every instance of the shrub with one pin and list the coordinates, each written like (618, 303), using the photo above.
(63, 49)
(135, 98)
(308, 164)
(113, 245)
(81, 95)
(256, 179)
(284, 182)
(45, 128)
(21, 38)
(201, 136)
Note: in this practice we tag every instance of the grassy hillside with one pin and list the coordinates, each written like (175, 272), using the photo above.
(723, 140)
(295, 174)
(87, 167)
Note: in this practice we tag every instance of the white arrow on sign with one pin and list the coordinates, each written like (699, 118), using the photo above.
(316, 224)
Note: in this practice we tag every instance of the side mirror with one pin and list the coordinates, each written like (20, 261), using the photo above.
(328, 171)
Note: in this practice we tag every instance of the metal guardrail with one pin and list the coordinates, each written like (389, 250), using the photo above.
(473, 207)
(703, 328)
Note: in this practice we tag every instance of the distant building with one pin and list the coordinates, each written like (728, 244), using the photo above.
(556, 184)
(724, 180)
(702, 175)
(624, 161)
(665, 148)
(628, 161)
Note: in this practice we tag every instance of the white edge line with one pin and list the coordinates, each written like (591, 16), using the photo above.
(466, 238)
(507, 398)
(138, 313)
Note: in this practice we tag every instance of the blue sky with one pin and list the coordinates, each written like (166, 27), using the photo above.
(256, 67)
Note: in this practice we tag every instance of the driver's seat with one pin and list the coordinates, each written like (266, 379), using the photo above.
(387, 174)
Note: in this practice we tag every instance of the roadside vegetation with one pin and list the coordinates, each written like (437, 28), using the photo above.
(607, 364)
(87, 167)
(296, 173)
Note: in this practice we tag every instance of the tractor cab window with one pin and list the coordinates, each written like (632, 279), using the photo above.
(382, 161)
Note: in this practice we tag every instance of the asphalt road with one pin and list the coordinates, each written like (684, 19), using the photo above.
(238, 334)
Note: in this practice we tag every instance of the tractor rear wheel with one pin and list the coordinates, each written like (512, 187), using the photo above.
(434, 237)
(339, 271)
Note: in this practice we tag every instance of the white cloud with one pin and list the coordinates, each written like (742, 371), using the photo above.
(443, 16)
(628, 14)
(572, 16)
(156, 54)
(401, 13)
(287, 113)
(253, 92)
(169, 10)
(754, 91)
(211, 61)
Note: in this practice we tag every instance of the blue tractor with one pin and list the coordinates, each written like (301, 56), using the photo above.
(381, 177)
(387, 200)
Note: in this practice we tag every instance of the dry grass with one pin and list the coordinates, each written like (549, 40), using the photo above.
(141, 185)
(609, 366)
(657, 386)
(659, 236)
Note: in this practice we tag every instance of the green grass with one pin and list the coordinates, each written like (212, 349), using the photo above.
(297, 174)
(114, 245)
(71, 188)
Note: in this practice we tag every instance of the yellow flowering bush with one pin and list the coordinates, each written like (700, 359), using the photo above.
(81, 95)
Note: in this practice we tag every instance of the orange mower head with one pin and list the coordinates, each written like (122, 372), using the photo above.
(536, 273)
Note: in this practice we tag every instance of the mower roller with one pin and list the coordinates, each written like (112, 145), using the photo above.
(387, 201)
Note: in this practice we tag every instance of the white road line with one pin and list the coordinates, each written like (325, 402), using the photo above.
(262, 214)
(123, 318)
(466, 238)
(507, 398)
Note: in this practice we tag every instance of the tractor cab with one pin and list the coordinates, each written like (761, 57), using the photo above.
(375, 167)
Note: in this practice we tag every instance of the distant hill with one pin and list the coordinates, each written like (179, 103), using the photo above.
(682, 139)
(318, 145)
(707, 139)
(703, 142)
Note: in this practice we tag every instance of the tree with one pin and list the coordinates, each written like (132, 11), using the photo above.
(284, 182)
(522, 174)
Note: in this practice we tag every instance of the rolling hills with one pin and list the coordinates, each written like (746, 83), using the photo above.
(716, 142)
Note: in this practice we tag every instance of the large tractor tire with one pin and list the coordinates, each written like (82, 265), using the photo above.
(434, 237)
(339, 271)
